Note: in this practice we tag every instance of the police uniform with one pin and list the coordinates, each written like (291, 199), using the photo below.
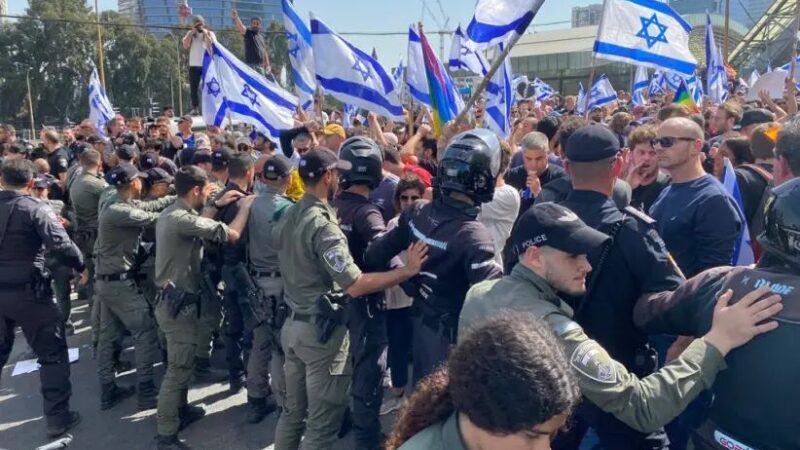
(27, 228)
(61, 273)
(460, 250)
(314, 261)
(58, 160)
(444, 435)
(756, 397)
(644, 404)
(361, 221)
(123, 306)
(179, 249)
(265, 376)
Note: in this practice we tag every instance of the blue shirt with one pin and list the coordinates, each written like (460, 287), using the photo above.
(699, 222)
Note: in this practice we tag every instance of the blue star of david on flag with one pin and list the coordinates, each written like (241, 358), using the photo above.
(362, 68)
(213, 87)
(250, 94)
(466, 51)
(644, 33)
(294, 45)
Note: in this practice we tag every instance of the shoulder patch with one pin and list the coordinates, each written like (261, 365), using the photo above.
(591, 360)
(335, 258)
(639, 215)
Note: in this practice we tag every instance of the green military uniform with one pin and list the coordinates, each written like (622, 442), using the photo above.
(439, 436)
(179, 248)
(84, 193)
(643, 404)
(314, 260)
(122, 304)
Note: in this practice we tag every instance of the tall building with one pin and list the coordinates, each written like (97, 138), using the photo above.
(584, 16)
(3, 11)
(217, 13)
(745, 13)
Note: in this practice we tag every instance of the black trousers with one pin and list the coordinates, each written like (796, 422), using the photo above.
(43, 325)
(195, 73)
(399, 331)
(238, 339)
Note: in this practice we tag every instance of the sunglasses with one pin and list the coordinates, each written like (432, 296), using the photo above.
(667, 142)
(409, 198)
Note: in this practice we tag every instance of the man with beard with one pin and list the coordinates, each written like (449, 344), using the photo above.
(255, 50)
(642, 172)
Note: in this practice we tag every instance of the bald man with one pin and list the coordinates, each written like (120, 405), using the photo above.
(698, 220)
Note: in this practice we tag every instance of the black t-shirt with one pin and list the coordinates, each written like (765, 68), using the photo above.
(643, 197)
(253, 45)
(752, 186)
(59, 163)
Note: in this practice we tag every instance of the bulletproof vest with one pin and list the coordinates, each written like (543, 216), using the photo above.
(757, 397)
(348, 211)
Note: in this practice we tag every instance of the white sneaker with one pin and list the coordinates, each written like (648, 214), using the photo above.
(392, 403)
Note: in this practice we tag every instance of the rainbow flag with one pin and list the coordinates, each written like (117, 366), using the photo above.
(445, 102)
(684, 97)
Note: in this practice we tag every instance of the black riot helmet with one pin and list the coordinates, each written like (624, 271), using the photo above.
(470, 165)
(367, 161)
(781, 236)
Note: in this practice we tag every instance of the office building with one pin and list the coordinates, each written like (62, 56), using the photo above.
(584, 16)
(217, 13)
(745, 13)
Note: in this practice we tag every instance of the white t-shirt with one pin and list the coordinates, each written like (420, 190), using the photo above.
(197, 48)
(499, 215)
(396, 297)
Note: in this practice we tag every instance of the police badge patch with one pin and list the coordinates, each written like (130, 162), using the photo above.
(593, 361)
(335, 259)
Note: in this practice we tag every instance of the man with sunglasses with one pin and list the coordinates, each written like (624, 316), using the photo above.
(631, 266)
(698, 220)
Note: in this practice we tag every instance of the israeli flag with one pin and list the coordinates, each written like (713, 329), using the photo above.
(352, 76)
(602, 93)
(465, 55)
(349, 112)
(716, 76)
(500, 99)
(641, 81)
(417, 80)
(543, 90)
(301, 55)
(231, 88)
(100, 109)
(645, 32)
(743, 252)
(397, 73)
(695, 88)
(657, 83)
(579, 108)
(517, 82)
(497, 20)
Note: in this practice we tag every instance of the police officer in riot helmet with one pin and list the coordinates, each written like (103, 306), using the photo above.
(461, 252)
(755, 399)
(361, 221)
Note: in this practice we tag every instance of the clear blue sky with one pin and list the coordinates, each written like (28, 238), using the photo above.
(391, 16)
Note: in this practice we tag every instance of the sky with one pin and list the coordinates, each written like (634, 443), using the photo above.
(392, 16)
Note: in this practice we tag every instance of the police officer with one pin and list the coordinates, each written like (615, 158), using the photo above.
(361, 221)
(238, 340)
(58, 159)
(29, 227)
(632, 265)
(552, 244)
(84, 194)
(123, 306)
(180, 232)
(755, 399)
(314, 261)
(461, 250)
(266, 358)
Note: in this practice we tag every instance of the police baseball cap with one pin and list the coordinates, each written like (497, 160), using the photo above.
(43, 181)
(221, 156)
(158, 175)
(317, 161)
(756, 116)
(94, 139)
(275, 167)
(149, 160)
(124, 174)
(127, 152)
(201, 157)
(592, 143)
(552, 225)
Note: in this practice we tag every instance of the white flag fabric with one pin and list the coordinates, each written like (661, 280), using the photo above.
(352, 76)
(417, 80)
(349, 113)
(754, 77)
(581, 101)
(465, 55)
(231, 88)
(397, 73)
(543, 90)
(519, 85)
(716, 76)
(500, 99)
(743, 251)
(645, 32)
(100, 109)
(496, 20)
(641, 81)
(301, 55)
(602, 93)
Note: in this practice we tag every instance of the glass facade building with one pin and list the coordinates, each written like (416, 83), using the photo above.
(217, 13)
(745, 12)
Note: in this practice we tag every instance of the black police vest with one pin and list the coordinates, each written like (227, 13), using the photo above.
(757, 399)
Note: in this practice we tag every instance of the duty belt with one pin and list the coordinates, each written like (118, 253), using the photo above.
(116, 276)
(308, 318)
(265, 274)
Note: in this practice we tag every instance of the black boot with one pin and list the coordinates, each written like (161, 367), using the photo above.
(190, 414)
(148, 396)
(111, 395)
(237, 381)
(57, 430)
(347, 423)
(171, 443)
(258, 409)
(203, 373)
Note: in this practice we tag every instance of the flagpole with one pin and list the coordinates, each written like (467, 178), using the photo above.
(30, 102)
(180, 74)
(100, 46)
(405, 86)
(727, 26)
(793, 67)
(588, 93)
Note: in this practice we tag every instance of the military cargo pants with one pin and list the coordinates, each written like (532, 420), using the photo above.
(181, 335)
(265, 367)
(124, 306)
(85, 242)
(317, 378)
(62, 278)
(207, 325)
(149, 290)
(367, 326)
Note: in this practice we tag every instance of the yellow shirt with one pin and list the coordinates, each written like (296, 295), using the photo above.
(296, 187)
